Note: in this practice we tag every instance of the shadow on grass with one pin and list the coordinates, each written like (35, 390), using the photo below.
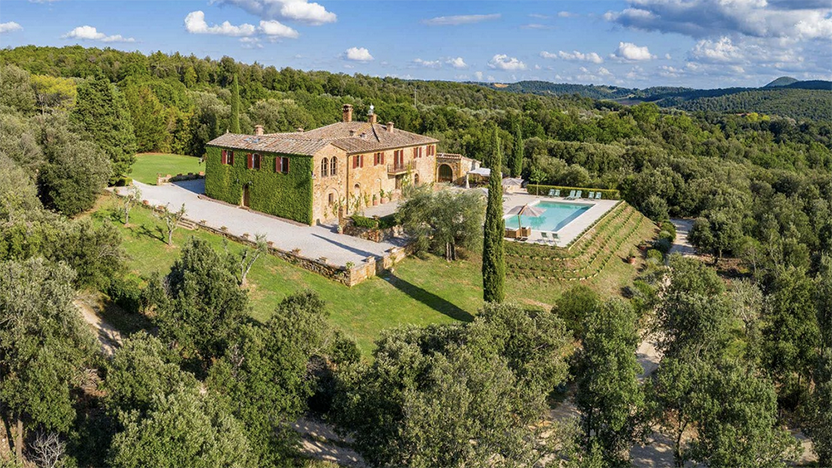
(155, 234)
(429, 299)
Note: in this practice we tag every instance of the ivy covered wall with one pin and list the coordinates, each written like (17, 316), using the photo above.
(285, 195)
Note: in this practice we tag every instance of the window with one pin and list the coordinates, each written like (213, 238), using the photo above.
(249, 160)
(230, 158)
(398, 158)
(333, 167)
(378, 158)
(324, 167)
(281, 165)
(256, 161)
(417, 152)
(431, 150)
(358, 161)
(331, 199)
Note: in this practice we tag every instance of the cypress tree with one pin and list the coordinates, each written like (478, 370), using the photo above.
(493, 262)
(235, 106)
(517, 160)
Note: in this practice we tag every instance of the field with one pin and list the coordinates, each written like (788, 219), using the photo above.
(148, 165)
(417, 291)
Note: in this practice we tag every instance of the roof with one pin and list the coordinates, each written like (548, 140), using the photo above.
(352, 137)
(481, 171)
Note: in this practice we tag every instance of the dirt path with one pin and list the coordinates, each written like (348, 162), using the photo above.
(90, 307)
(681, 245)
(319, 440)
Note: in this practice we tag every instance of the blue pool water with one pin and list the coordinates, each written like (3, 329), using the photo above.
(556, 215)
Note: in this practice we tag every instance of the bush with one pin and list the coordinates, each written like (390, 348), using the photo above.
(126, 292)
(665, 235)
(654, 254)
(655, 208)
(365, 222)
(574, 305)
(662, 245)
(666, 225)
(386, 222)
(124, 182)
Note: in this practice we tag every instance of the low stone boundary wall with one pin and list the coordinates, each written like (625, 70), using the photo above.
(166, 179)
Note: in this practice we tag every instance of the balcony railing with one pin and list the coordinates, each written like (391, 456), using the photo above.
(394, 169)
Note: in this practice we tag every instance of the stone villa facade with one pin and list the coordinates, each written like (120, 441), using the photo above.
(316, 175)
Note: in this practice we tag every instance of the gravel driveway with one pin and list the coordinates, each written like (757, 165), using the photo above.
(313, 241)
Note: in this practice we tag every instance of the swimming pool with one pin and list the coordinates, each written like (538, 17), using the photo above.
(556, 215)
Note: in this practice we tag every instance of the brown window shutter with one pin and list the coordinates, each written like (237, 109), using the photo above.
(249, 160)
(224, 157)
(277, 164)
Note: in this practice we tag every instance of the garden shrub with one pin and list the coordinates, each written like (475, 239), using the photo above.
(654, 254)
(126, 292)
(666, 225)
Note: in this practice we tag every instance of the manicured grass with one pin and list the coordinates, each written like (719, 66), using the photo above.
(417, 291)
(148, 165)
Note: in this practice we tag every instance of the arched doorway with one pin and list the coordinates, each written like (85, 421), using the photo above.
(246, 196)
(446, 173)
(416, 179)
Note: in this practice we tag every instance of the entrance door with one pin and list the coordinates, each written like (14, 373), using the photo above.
(446, 174)
(246, 199)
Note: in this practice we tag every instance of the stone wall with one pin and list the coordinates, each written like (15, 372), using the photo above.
(166, 179)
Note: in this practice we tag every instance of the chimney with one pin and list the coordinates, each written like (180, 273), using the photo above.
(390, 127)
(258, 130)
(371, 115)
(347, 112)
(300, 129)
(352, 132)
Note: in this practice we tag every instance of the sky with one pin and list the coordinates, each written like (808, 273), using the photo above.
(630, 43)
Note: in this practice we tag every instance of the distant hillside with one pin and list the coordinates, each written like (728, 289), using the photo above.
(784, 97)
(782, 81)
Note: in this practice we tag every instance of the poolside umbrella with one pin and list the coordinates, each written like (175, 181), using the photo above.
(525, 210)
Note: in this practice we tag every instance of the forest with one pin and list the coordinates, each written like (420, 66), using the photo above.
(746, 338)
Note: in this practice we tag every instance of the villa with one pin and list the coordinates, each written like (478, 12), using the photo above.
(318, 175)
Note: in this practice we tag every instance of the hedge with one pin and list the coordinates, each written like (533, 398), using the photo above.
(384, 222)
(285, 195)
(607, 194)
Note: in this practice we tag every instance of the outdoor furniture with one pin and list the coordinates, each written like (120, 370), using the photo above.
(580, 194)
(591, 195)
(571, 195)
(598, 196)
(511, 233)
(552, 193)
(525, 232)
(557, 192)
(545, 237)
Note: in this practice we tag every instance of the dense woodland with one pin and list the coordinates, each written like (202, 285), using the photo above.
(745, 356)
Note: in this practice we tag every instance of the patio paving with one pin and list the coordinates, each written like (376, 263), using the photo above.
(313, 241)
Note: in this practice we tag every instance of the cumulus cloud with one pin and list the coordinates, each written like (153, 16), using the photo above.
(574, 56)
(457, 62)
(427, 63)
(722, 51)
(504, 62)
(295, 10)
(358, 54)
(460, 19)
(195, 24)
(627, 51)
(274, 30)
(89, 33)
(251, 43)
(478, 75)
(9, 27)
(796, 19)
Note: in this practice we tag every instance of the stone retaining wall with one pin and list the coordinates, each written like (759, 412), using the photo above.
(166, 179)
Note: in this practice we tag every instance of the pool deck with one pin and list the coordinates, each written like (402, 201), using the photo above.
(572, 230)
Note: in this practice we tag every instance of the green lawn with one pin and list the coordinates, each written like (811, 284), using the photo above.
(417, 291)
(148, 165)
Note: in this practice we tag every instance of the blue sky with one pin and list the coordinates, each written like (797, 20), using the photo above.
(634, 43)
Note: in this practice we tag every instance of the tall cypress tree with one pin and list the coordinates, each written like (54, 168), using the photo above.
(517, 159)
(493, 262)
(235, 106)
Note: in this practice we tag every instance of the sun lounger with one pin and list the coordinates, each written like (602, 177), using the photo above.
(580, 194)
(571, 195)
(591, 195)
(511, 233)
(598, 196)
(557, 192)
(552, 193)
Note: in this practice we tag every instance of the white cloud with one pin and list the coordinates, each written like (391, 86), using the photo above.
(722, 50)
(295, 10)
(251, 43)
(90, 33)
(457, 63)
(574, 56)
(670, 72)
(9, 27)
(460, 19)
(478, 75)
(275, 28)
(195, 24)
(566, 14)
(539, 16)
(358, 54)
(630, 52)
(428, 63)
(537, 26)
(504, 62)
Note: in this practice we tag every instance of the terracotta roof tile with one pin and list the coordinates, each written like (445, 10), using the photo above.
(352, 137)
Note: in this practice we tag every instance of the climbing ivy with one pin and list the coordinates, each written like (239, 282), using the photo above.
(285, 195)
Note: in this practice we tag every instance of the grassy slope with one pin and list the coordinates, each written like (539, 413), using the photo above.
(417, 292)
(147, 165)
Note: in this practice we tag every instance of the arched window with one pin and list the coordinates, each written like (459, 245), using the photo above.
(324, 167)
(331, 199)
(416, 179)
(333, 167)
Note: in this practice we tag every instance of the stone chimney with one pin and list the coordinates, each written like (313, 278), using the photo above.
(258, 130)
(390, 127)
(352, 132)
(371, 115)
(347, 112)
